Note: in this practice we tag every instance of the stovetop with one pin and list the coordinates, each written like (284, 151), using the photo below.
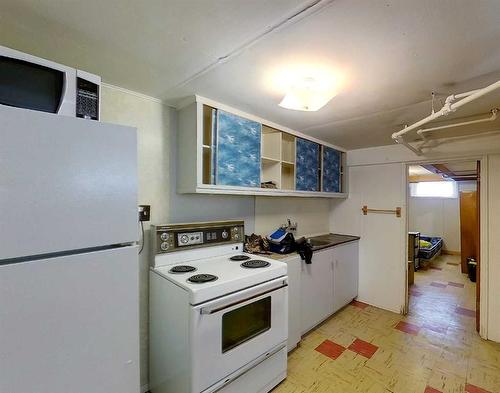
(230, 275)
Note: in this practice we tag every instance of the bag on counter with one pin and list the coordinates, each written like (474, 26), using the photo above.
(281, 242)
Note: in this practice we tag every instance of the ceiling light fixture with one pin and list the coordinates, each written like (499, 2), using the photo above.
(309, 93)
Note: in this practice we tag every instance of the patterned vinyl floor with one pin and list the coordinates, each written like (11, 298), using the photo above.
(434, 349)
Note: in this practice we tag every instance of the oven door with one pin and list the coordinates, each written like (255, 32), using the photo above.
(230, 332)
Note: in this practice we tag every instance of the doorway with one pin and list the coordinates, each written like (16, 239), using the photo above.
(444, 239)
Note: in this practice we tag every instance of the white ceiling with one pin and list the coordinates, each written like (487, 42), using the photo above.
(394, 52)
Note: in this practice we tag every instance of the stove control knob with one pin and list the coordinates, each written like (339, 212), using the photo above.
(225, 234)
(184, 239)
(164, 236)
(164, 246)
(236, 236)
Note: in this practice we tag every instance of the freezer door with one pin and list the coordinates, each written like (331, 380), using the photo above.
(65, 183)
(70, 324)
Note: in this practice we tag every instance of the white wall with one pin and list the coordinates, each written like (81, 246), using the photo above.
(436, 217)
(311, 214)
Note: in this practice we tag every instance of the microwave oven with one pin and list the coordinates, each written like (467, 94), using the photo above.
(31, 82)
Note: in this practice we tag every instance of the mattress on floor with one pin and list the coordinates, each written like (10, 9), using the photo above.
(433, 250)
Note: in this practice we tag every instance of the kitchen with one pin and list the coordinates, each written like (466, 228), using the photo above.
(374, 173)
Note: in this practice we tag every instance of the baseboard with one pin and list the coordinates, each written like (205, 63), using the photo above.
(450, 252)
(144, 388)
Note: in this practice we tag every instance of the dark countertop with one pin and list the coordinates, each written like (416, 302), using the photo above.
(330, 240)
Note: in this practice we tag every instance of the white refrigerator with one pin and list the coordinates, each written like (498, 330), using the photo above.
(68, 255)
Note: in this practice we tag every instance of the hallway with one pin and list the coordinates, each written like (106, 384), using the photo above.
(434, 349)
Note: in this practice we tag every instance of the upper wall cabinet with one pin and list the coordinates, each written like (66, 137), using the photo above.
(308, 165)
(238, 151)
(332, 169)
(225, 151)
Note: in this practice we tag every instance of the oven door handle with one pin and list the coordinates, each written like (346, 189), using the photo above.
(243, 370)
(262, 291)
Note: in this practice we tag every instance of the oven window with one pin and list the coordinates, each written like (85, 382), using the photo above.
(245, 323)
(30, 86)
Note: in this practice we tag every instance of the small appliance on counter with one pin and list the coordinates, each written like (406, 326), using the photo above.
(218, 316)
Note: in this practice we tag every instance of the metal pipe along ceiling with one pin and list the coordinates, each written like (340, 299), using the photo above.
(451, 105)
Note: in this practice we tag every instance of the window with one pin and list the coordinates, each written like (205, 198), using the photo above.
(434, 189)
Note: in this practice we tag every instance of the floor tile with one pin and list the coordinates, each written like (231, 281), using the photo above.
(475, 389)
(436, 327)
(361, 305)
(363, 348)
(407, 327)
(455, 284)
(428, 389)
(447, 382)
(330, 349)
(466, 312)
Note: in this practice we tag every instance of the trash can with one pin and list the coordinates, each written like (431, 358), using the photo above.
(472, 265)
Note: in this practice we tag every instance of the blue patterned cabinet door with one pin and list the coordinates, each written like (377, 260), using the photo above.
(331, 169)
(307, 165)
(238, 151)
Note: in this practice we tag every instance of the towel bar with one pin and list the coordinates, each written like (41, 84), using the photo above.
(383, 211)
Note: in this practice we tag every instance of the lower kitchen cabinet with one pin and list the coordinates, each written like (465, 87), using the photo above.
(318, 290)
(346, 272)
(329, 283)
(316, 287)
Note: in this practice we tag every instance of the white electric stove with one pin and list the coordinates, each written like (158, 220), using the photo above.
(218, 316)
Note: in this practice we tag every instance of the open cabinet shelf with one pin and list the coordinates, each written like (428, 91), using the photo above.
(271, 172)
(288, 148)
(287, 176)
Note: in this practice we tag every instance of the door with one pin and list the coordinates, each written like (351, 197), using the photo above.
(345, 275)
(316, 288)
(307, 166)
(65, 183)
(71, 324)
(382, 247)
(238, 151)
(469, 235)
(234, 330)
